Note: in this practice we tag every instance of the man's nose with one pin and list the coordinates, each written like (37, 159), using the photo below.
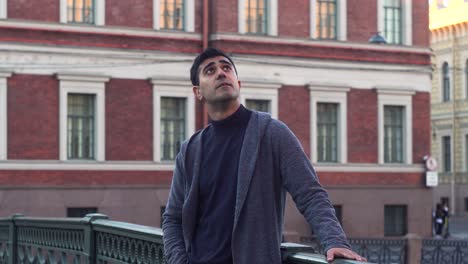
(220, 74)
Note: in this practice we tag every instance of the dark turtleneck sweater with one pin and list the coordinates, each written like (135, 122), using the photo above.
(222, 142)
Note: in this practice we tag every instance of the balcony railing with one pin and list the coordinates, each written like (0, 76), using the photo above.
(96, 239)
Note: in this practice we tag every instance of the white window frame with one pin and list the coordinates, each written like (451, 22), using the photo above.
(171, 88)
(261, 91)
(326, 93)
(189, 15)
(396, 97)
(441, 59)
(3, 9)
(94, 85)
(272, 16)
(3, 115)
(341, 25)
(406, 21)
(441, 134)
(99, 12)
(451, 83)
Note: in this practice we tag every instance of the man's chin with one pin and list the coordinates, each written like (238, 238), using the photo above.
(226, 99)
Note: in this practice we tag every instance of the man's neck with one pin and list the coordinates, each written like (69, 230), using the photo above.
(221, 111)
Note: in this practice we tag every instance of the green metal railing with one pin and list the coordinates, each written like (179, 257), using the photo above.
(96, 239)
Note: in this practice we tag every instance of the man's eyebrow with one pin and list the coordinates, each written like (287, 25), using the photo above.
(208, 65)
(225, 62)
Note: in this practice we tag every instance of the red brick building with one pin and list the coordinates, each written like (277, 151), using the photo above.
(95, 99)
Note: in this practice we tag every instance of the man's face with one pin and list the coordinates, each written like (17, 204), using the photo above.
(218, 81)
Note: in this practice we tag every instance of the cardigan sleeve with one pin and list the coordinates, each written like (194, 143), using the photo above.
(174, 245)
(300, 180)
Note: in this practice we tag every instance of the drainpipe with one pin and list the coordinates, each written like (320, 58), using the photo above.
(205, 36)
(454, 133)
(205, 24)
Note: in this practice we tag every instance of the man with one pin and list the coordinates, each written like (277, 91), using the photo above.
(227, 199)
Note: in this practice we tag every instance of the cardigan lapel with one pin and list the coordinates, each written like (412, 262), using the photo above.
(247, 160)
(189, 212)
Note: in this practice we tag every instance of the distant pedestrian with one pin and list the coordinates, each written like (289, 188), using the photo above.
(445, 230)
(439, 221)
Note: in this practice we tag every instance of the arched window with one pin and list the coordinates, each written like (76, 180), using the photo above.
(446, 82)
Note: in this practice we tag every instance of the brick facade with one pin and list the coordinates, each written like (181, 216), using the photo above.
(294, 21)
(129, 120)
(294, 111)
(362, 128)
(364, 20)
(44, 10)
(32, 117)
(130, 53)
(421, 126)
(223, 17)
(135, 13)
(63, 178)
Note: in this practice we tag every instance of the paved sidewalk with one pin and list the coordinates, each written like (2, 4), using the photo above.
(458, 227)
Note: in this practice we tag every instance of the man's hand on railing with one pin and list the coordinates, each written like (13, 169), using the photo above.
(343, 253)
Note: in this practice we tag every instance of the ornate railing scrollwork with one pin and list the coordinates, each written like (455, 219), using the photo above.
(96, 239)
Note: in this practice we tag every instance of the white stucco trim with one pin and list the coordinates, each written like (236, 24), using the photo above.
(163, 87)
(464, 134)
(84, 85)
(3, 9)
(330, 93)
(85, 165)
(341, 25)
(99, 12)
(464, 75)
(440, 135)
(151, 166)
(406, 21)
(396, 97)
(272, 16)
(189, 15)
(3, 115)
(261, 91)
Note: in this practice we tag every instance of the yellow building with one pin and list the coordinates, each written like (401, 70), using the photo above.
(449, 99)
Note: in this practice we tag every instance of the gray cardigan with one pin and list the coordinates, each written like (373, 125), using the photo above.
(272, 162)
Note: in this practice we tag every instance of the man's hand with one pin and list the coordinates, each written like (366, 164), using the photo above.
(343, 253)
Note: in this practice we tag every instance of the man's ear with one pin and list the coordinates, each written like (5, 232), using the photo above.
(196, 92)
(239, 82)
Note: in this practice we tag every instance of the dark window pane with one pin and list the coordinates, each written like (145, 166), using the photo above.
(259, 105)
(447, 154)
(172, 126)
(81, 211)
(172, 14)
(327, 132)
(256, 16)
(393, 134)
(81, 126)
(446, 82)
(81, 11)
(395, 217)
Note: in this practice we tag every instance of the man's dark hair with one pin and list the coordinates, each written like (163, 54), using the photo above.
(206, 54)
